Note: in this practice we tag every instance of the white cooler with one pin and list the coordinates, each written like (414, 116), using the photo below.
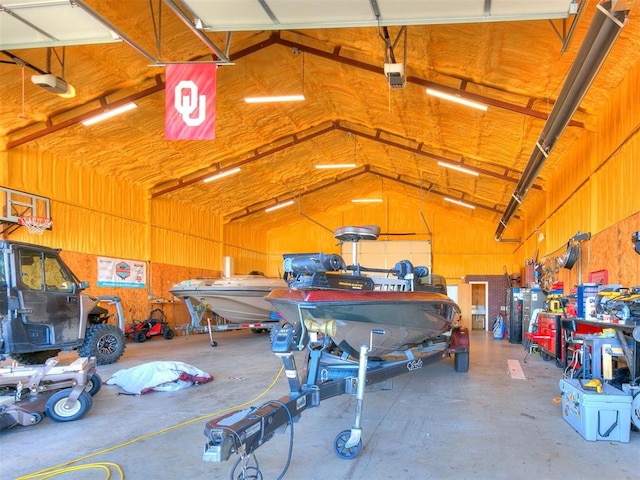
(596, 416)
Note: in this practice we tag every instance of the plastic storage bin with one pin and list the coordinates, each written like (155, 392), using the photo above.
(596, 416)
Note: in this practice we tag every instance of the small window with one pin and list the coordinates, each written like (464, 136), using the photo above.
(57, 279)
(31, 269)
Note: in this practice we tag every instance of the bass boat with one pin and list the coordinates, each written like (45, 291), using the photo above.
(391, 311)
(342, 315)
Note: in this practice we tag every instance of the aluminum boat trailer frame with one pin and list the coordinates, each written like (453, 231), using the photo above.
(197, 316)
(63, 392)
(327, 376)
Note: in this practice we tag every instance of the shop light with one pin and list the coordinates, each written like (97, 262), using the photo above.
(279, 205)
(109, 113)
(453, 166)
(336, 165)
(457, 99)
(276, 98)
(458, 202)
(217, 176)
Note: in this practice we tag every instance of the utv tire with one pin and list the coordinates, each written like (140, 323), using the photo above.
(105, 342)
(34, 358)
(56, 410)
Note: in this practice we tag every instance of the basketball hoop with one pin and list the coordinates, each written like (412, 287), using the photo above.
(35, 225)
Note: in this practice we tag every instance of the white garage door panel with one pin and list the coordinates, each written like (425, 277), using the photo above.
(385, 254)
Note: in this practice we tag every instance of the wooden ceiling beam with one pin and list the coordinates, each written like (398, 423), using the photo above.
(260, 206)
(418, 151)
(52, 127)
(284, 143)
(350, 175)
(292, 140)
(335, 56)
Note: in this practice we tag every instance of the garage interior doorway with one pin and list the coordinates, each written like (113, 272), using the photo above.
(479, 305)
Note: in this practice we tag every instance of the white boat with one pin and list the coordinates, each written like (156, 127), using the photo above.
(238, 299)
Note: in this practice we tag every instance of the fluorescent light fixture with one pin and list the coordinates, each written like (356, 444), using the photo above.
(458, 168)
(277, 98)
(457, 99)
(336, 165)
(367, 200)
(458, 202)
(221, 175)
(109, 113)
(279, 205)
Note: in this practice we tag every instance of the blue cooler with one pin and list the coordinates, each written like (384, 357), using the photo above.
(596, 416)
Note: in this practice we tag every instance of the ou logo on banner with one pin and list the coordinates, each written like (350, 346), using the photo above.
(187, 101)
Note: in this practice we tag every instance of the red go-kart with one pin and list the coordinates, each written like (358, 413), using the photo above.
(152, 326)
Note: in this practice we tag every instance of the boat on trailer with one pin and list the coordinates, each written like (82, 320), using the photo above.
(238, 299)
(358, 329)
(404, 302)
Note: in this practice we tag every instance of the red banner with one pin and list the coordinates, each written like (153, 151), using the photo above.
(190, 101)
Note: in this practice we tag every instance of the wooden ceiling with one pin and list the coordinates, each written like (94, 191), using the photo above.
(395, 136)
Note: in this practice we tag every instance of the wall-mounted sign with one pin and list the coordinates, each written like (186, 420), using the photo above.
(115, 272)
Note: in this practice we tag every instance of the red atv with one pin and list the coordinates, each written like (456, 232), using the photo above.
(154, 325)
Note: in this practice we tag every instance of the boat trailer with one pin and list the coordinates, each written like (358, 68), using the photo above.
(64, 393)
(200, 313)
(327, 375)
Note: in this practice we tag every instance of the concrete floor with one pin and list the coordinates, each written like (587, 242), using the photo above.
(434, 423)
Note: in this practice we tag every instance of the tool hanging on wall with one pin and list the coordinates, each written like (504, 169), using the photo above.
(573, 252)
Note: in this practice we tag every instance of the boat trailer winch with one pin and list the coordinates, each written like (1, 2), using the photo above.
(327, 375)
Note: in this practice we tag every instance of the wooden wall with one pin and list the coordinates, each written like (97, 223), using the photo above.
(595, 191)
(105, 216)
(247, 248)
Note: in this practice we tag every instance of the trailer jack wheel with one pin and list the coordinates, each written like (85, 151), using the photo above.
(340, 446)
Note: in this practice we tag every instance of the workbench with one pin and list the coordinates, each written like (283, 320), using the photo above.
(623, 340)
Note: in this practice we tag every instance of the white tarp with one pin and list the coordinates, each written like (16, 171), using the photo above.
(165, 376)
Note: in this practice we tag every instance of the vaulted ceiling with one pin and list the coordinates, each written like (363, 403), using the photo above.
(503, 58)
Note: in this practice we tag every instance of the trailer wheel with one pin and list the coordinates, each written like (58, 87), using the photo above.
(461, 361)
(94, 384)
(339, 446)
(105, 342)
(56, 406)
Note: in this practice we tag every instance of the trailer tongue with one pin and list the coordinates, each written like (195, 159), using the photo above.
(327, 375)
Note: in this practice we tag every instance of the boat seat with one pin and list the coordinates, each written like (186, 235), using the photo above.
(357, 233)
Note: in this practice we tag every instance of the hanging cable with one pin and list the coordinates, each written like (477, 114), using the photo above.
(62, 468)
(157, 28)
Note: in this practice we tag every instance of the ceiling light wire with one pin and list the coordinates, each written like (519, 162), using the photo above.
(157, 27)
(302, 73)
(22, 115)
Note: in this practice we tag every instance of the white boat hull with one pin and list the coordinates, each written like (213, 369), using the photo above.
(236, 299)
